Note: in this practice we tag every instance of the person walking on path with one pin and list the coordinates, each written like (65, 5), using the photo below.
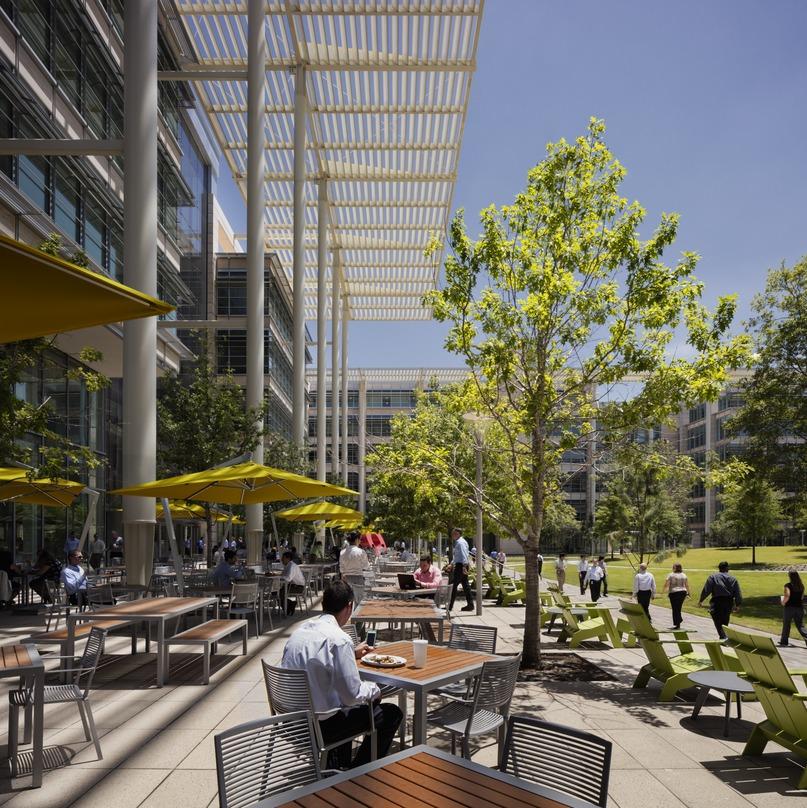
(593, 579)
(582, 569)
(560, 570)
(644, 588)
(460, 558)
(540, 565)
(676, 585)
(793, 607)
(604, 567)
(726, 596)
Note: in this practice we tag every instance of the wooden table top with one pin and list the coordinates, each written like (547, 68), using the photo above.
(155, 607)
(412, 609)
(440, 661)
(15, 656)
(423, 777)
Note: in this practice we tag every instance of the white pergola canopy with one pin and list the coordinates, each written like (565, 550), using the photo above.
(387, 85)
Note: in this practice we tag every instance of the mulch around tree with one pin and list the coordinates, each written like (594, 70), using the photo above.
(564, 666)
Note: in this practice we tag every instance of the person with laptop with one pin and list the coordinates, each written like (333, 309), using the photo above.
(427, 576)
(353, 560)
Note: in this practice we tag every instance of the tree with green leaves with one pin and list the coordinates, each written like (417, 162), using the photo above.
(647, 494)
(774, 414)
(556, 305)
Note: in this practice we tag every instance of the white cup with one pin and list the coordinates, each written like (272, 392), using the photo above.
(420, 647)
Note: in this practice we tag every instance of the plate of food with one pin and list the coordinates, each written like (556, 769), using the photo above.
(384, 660)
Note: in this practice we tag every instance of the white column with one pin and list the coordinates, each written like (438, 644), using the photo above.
(140, 271)
(345, 318)
(256, 102)
(335, 370)
(298, 392)
(362, 444)
(322, 265)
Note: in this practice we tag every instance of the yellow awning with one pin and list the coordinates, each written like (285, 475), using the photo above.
(242, 484)
(315, 511)
(44, 295)
(15, 486)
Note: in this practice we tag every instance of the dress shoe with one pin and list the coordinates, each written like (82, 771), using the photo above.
(467, 608)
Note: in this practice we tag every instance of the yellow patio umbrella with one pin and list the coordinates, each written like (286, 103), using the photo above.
(43, 295)
(15, 486)
(182, 511)
(241, 484)
(342, 524)
(317, 511)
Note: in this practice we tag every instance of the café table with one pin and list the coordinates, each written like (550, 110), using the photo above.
(425, 777)
(412, 612)
(156, 611)
(24, 661)
(729, 683)
(391, 591)
(444, 666)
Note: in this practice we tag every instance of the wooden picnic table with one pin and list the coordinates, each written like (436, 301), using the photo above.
(427, 777)
(24, 661)
(390, 591)
(146, 610)
(443, 666)
(414, 612)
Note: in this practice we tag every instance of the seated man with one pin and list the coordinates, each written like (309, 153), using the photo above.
(74, 579)
(326, 653)
(427, 575)
(226, 572)
(11, 571)
(294, 578)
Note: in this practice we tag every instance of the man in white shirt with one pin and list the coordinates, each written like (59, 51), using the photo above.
(295, 580)
(604, 567)
(353, 560)
(74, 579)
(644, 588)
(593, 579)
(560, 570)
(460, 560)
(582, 569)
(326, 653)
(97, 553)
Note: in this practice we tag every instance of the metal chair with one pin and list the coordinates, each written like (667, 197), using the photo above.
(468, 638)
(244, 601)
(78, 693)
(59, 605)
(568, 760)
(357, 584)
(308, 596)
(289, 691)
(262, 758)
(486, 708)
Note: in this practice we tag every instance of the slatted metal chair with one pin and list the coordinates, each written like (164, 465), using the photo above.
(59, 605)
(485, 709)
(77, 692)
(468, 638)
(570, 761)
(244, 602)
(289, 691)
(262, 758)
(358, 585)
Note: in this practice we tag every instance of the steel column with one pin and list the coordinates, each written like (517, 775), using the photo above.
(335, 277)
(140, 271)
(322, 265)
(298, 286)
(344, 430)
(256, 98)
(362, 444)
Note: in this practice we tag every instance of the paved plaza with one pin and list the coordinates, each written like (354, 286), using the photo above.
(158, 743)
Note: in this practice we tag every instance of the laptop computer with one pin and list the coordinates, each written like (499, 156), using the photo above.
(407, 581)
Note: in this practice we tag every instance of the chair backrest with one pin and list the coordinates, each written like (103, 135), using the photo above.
(761, 660)
(570, 761)
(647, 636)
(497, 682)
(262, 758)
(170, 589)
(357, 584)
(57, 592)
(570, 619)
(88, 664)
(442, 596)
(287, 689)
(244, 593)
(99, 595)
(350, 630)
(473, 638)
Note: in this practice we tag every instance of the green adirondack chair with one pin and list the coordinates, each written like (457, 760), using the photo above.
(672, 671)
(581, 630)
(785, 708)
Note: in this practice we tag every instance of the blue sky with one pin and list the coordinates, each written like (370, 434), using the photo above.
(706, 107)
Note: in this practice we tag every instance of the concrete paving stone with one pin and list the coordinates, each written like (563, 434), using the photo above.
(58, 791)
(123, 789)
(203, 715)
(635, 788)
(232, 691)
(241, 713)
(165, 750)
(112, 715)
(697, 787)
(650, 749)
(202, 756)
(183, 788)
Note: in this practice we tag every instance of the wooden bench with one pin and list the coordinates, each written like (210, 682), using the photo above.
(207, 635)
(82, 631)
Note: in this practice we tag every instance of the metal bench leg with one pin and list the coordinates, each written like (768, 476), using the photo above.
(13, 736)
(93, 730)
(207, 654)
(244, 635)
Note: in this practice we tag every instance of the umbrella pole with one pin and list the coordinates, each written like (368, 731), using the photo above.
(274, 528)
(92, 495)
(172, 542)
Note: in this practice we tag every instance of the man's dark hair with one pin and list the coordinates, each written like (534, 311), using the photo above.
(287, 554)
(353, 537)
(723, 566)
(229, 555)
(426, 557)
(336, 596)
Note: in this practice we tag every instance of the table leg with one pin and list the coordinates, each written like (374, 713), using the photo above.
(727, 695)
(216, 609)
(703, 693)
(39, 725)
(402, 707)
(419, 718)
(160, 653)
(739, 707)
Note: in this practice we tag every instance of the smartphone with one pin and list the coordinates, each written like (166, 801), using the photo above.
(371, 637)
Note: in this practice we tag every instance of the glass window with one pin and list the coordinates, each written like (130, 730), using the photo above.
(696, 436)
(34, 23)
(94, 231)
(231, 351)
(379, 425)
(66, 210)
(34, 181)
(697, 413)
(353, 453)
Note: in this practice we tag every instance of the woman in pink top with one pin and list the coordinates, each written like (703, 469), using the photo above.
(428, 576)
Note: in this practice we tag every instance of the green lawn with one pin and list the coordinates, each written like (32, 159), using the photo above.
(761, 585)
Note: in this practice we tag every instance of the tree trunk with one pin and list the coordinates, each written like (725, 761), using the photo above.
(532, 630)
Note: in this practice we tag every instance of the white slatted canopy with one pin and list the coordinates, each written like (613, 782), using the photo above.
(388, 85)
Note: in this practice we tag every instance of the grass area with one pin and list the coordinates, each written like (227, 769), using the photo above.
(761, 585)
